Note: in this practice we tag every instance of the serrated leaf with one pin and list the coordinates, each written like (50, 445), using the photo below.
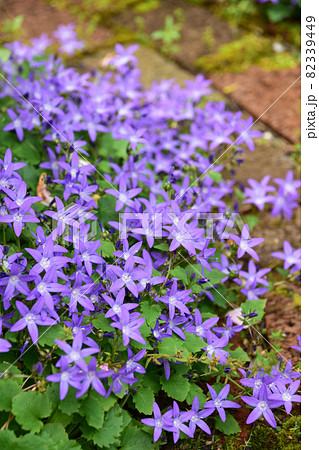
(151, 379)
(70, 404)
(8, 440)
(150, 312)
(56, 431)
(216, 176)
(181, 274)
(29, 407)
(239, 354)
(193, 343)
(48, 334)
(177, 387)
(111, 429)
(194, 391)
(252, 221)
(107, 248)
(164, 247)
(144, 399)
(257, 306)
(230, 426)
(134, 438)
(100, 322)
(93, 412)
(171, 345)
(8, 389)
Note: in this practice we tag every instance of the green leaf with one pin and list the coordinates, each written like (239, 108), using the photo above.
(8, 389)
(252, 221)
(214, 276)
(151, 379)
(8, 440)
(164, 247)
(112, 147)
(216, 176)
(111, 429)
(181, 274)
(56, 431)
(29, 407)
(278, 12)
(134, 438)
(70, 404)
(239, 354)
(107, 248)
(106, 209)
(48, 334)
(176, 387)
(171, 345)
(144, 399)
(231, 425)
(257, 306)
(150, 312)
(92, 410)
(4, 54)
(100, 322)
(193, 343)
(195, 390)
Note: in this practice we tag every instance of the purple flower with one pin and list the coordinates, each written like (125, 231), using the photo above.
(254, 276)
(245, 243)
(291, 257)
(127, 276)
(129, 325)
(262, 407)
(91, 377)
(176, 299)
(76, 353)
(257, 193)
(219, 401)
(176, 422)
(44, 287)
(19, 216)
(123, 195)
(117, 305)
(4, 346)
(159, 422)
(16, 282)
(31, 319)
(201, 328)
(131, 364)
(297, 347)
(66, 377)
(215, 347)
(16, 124)
(287, 395)
(198, 416)
(288, 185)
(77, 294)
(229, 330)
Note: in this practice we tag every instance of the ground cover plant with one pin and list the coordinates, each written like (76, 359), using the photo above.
(128, 279)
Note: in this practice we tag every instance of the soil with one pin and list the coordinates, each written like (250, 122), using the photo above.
(41, 17)
(256, 90)
(281, 314)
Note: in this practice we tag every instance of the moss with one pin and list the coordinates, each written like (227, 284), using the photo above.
(237, 56)
(278, 61)
(263, 438)
(289, 437)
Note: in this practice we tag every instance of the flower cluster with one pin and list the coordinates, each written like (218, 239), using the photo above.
(285, 200)
(174, 420)
(271, 391)
(130, 272)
